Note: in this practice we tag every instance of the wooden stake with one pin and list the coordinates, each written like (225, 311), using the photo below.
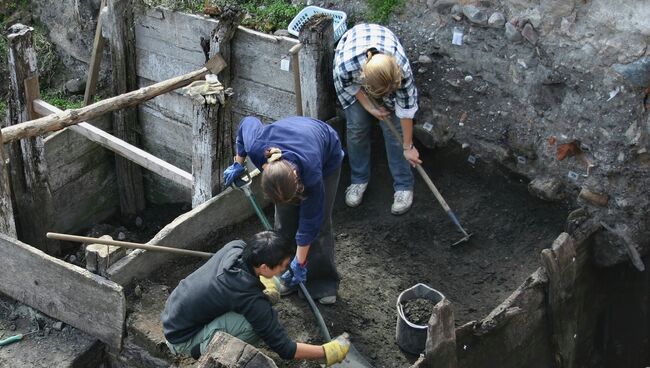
(95, 59)
(7, 224)
(316, 80)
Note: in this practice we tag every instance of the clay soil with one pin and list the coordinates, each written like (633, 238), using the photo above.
(379, 255)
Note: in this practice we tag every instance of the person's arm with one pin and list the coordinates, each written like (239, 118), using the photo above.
(379, 112)
(411, 153)
(308, 351)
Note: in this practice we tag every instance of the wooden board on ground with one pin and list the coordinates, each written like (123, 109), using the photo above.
(230, 352)
(66, 292)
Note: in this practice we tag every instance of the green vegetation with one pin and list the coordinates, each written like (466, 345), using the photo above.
(61, 100)
(381, 10)
(3, 109)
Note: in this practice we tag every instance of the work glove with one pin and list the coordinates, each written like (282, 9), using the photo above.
(337, 349)
(296, 273)
(271, 289)
(232, 172)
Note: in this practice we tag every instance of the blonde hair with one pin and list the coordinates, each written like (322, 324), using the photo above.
(279, 180)
(381, 75)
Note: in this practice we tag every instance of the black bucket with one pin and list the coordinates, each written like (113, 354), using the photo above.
(411, 337)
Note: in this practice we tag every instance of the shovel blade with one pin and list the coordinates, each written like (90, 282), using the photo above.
(354, 359)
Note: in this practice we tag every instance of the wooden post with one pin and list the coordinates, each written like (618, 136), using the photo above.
(29, 172)
(561, 267)
(316, 58)
(440, 348)
(7, 224)
(212, 132)
(125, 121)
(95, 59)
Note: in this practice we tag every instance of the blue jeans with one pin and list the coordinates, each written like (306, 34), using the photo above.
(359, 124)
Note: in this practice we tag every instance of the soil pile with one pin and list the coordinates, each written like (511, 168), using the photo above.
(418, 311)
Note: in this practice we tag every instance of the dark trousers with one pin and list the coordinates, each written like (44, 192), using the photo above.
(322, 277)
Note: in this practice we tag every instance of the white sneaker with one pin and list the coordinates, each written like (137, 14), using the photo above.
(354, 194)
(403, 199)
(327, 300)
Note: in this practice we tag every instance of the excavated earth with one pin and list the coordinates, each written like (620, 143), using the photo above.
(379, 255)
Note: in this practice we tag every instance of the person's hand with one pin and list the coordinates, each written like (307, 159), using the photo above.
(337, 349)
(270, 289)
(379, 112)
(231, 173)
(412, 156)
(296, 273)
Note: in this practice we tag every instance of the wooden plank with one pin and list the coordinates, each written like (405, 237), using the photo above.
(258, 58)
(440, 346)
(95, 59)
(168, 139)
(204, 144)
(94, 199)
(120, 147)
(174, 106)
(75, 169)
(66, 118)
(163, 191)
(29, 171)
(63, 291)
(159, 67)
(257, 99)
(176, 29)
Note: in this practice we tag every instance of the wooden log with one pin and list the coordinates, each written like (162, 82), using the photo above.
(316, 58)
(122, 148)
(561, 267)
(7, 223)
(100, 257)
(63, 291)
(95, 59)
(440, 348)
(29, 171)
(212, 133)
(66, 118)
(226, 351)
(295, 62)
(125, 121)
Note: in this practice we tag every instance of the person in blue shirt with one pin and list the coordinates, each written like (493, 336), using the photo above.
(300, 159)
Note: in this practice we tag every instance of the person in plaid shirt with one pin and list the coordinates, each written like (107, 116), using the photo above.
(373, 81)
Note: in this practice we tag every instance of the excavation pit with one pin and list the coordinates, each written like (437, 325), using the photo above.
(380, 255)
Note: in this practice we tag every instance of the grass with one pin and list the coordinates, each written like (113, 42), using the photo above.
(381, 10)
(61, 100)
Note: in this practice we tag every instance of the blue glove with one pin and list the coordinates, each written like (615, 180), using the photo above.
(296, 273)
(231, 173)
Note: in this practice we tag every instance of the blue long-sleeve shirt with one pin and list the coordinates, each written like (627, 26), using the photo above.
(311, 145)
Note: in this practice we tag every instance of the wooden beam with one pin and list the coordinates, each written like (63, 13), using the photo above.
(120, 147)
(130, 183)
(29, 171)
(316, 58)
(95, 59)
(66, 118)
(63, 291)
(441, 338)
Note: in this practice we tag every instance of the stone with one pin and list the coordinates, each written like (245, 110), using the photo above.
(496, 20)
(475, 15)
(637, 73)
(442, 6)
(75, 86)
(599, 199)
(423, 59)
(529, 34)
(121, 236)
(100, 257)
(456, 10)
(58, 325)
(512, 33)
(138, 221)
(548, 189)
(282, 32)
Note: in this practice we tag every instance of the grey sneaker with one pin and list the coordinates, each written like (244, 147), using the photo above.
(354, 194)
(327, 300)
(403, 199)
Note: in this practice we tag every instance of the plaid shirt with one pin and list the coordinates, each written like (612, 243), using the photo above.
(350, 56)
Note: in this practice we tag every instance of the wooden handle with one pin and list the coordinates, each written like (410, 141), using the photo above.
(117, 243)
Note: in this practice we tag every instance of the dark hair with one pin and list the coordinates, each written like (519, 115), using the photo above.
(267, 247)
(279, 181)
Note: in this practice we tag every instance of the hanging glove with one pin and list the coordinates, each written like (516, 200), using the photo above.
(296, 273)
(231, 173)
(337, 349)
(271, 289)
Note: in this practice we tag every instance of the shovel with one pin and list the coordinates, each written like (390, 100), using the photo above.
(431, 186)
(354, 359)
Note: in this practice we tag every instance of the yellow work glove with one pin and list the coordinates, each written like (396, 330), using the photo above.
(337, 349)
(271, 289)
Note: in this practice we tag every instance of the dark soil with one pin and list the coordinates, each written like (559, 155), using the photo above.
(380, 255)
(418, 311)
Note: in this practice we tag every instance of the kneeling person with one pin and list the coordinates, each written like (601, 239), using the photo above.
(225, 294)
